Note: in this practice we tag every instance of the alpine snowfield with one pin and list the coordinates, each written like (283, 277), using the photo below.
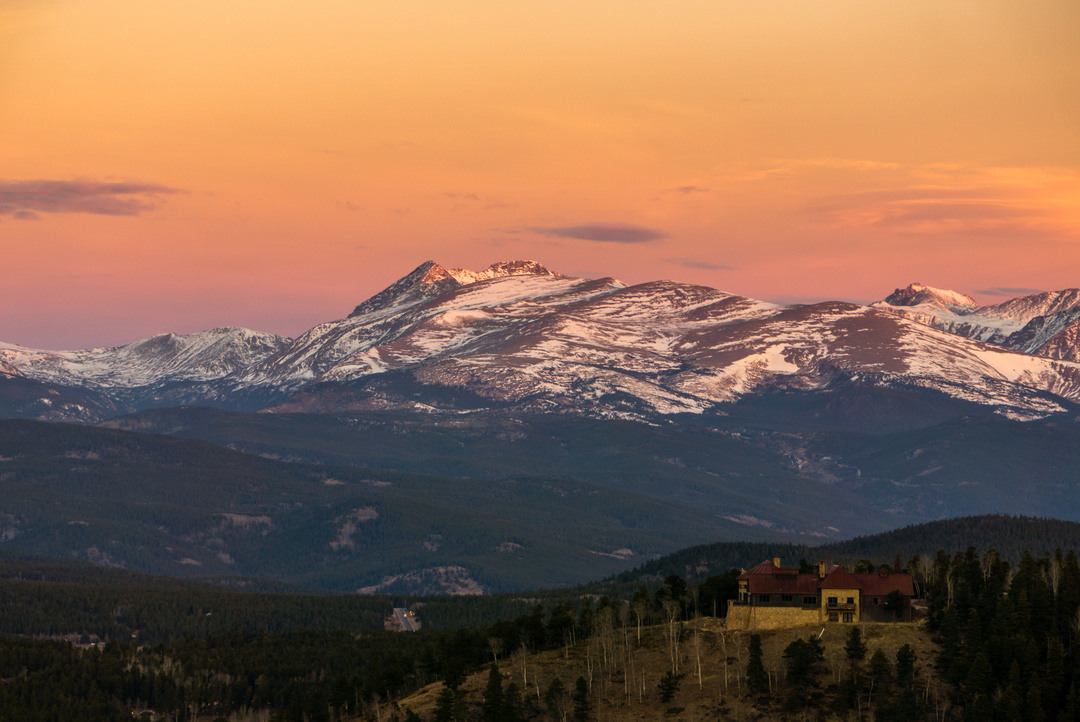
(518, 335)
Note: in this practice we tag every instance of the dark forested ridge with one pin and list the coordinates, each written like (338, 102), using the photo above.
(1010, 536)
(44, 597)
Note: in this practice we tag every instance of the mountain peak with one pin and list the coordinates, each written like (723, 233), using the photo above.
(430, 279)
(917, 294)
(500, 269)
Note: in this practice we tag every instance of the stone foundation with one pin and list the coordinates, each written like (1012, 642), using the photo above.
(744, 617)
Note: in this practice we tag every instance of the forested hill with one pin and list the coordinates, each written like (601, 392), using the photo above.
(1009, 535)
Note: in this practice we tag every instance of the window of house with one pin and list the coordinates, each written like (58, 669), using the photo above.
(763, 597)
(832, 601)
(833, 617)
(876, 601)
(809, 600)
(848, 617)
(851, 600)
(785, 597)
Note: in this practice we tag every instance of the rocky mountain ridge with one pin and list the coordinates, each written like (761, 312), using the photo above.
(517, 335)
(1043, 324)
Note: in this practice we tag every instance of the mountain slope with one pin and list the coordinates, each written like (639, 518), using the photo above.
(187, 508)
(812, 463)
(1043, 324)
(1010, 536)
(516, 335)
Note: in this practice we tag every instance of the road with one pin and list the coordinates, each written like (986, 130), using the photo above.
(405, 618)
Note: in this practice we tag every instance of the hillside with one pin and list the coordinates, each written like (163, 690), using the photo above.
(193, 509)
(832, 464)
(1009, 536)
(623, 675)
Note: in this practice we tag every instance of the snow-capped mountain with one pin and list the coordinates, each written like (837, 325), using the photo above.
(518, 335)
(138, 372)
(1043, 324)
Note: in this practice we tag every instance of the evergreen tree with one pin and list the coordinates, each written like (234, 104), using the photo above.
(491, 710)
(855, 647)
(756, 678)
(980, 678)
(801, 656)
(669, 686)
(445, 704)
(1072, 705)
(513, 707)
(556, 698)
(880, 667)
(905, 665)
(582, 704)
(1033, 705)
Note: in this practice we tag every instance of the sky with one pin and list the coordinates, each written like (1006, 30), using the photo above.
(176, 166)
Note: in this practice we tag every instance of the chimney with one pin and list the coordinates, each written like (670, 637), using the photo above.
(821, 570)
(776, 562)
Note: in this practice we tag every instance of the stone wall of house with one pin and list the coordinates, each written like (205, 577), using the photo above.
(744, 617)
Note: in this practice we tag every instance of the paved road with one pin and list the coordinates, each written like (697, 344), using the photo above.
(406, 619)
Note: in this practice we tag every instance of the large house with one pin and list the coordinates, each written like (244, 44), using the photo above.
(772, 596)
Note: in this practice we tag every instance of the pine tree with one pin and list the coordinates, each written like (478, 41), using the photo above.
(513, 707)
(444, 705)
(669, 686)
(556, 699)
(855, 647)
(582, 704)
(980, 679)
(880, 667)
(905, 666)
(800, 656)
(756, 679)
(491, 710)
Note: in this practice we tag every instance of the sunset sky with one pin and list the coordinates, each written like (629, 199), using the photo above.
(174, 166)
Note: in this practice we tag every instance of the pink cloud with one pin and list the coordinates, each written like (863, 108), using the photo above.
(27, 199)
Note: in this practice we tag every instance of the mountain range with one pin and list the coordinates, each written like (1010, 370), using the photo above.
(513, 427)
(518, 336)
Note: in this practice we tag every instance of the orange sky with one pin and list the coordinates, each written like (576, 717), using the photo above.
(177, 166)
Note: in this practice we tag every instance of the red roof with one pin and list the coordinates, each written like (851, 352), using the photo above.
(768, 568)
(785, 584)
(878, 585)
(768, 579)
(840, 579)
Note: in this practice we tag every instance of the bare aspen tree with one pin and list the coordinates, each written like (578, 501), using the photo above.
(588, 660)
(723, 648)
(520, 658)
(1053, 573)
(671, 614)
(697, 649)
(604, 628)
(638, 608)
(922, 572)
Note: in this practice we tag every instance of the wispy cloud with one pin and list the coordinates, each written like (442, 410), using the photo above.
(698, 263)
(604, 232)
(1008, 291)
(688, 190)
(27, 199)
(940, 199)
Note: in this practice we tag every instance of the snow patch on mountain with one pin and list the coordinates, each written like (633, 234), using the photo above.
(517, 334)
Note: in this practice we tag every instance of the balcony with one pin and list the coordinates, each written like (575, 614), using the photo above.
(841, 607)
